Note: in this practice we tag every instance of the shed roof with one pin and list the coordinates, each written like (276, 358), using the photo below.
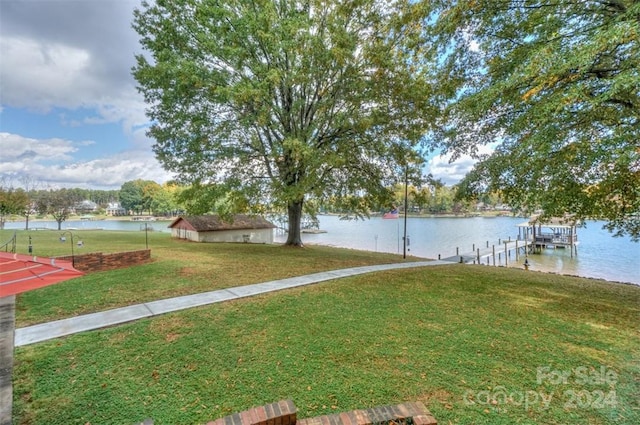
(566, 222)
(212, 223)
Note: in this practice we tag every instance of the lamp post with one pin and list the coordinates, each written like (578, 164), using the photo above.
(63, 239)
(146, 235)
(406, 206)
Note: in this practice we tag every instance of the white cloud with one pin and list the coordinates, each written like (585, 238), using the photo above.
(38, 75)
(441, 167)
(111, 171)
(52, 161)
(71, 55)
(15, 149)
(41, 75)
(450, 173)
(66, 56)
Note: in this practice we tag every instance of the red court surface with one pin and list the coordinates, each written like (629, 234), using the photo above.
(21, 273)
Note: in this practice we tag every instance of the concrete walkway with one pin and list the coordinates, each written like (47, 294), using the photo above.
(59, 328)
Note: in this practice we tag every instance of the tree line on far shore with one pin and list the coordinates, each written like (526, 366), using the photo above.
(137, 197)
(133, 198)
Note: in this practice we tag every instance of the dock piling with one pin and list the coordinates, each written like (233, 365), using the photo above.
(479, 253)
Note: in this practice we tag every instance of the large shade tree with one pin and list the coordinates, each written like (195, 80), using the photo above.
(57, 203)
(137, 195)
(277, 102)
(12, 201)
(556, 84)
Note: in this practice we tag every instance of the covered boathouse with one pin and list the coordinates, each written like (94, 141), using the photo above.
(555, 232)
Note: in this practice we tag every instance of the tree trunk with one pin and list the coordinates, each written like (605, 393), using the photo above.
(59, 224)
(294, 237)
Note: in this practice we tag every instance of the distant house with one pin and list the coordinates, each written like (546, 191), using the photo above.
(114, 209)
(212, 228)
(85, 207)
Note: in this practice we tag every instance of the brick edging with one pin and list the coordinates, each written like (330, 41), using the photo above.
(416, 412)
(285, 412)
(280, 413)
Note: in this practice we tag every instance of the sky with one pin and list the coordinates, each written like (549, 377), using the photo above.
(70, 114)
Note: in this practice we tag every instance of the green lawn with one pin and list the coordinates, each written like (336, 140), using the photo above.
(178, 268)
(479, 345)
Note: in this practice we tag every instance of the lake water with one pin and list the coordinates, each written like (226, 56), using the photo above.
(600, 255)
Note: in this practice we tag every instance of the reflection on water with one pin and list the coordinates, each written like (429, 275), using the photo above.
(127, 225)
(599, 254)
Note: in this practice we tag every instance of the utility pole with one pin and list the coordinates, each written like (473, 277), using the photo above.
(406, 206)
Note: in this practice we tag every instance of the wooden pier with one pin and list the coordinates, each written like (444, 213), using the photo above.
(533, 236)
(498, 254)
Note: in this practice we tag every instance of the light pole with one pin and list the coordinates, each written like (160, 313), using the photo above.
(146, 235)
(63, 239)
(406, 206)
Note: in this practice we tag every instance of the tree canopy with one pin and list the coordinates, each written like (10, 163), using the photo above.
(281, 101)
(12, 201)
(556, 85)
(58, 203)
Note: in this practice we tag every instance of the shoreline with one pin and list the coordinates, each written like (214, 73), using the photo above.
(519, 266)
(537, 266)
(482, 214)
(99, 218)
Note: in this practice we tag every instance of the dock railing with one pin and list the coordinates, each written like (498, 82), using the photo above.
(556, 238)
(498, 254)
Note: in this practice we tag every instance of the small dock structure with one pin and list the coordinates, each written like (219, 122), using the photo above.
(499, 254)
(556, 232)
(143, 218)
(534, 235)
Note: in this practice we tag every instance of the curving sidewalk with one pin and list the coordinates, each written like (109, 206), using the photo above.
(50, 330)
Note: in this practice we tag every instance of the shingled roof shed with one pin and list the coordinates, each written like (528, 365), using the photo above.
(213, 228)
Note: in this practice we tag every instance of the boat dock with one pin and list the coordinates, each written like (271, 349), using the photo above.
(552, 233)
(498, 254)
(533, 236)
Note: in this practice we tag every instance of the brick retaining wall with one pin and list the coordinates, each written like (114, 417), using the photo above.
(97, 261)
